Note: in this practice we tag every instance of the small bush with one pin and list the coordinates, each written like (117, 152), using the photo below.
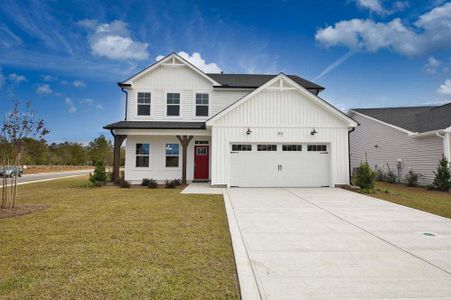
(100, 176)
(442, 180)
(145, 182)
(178, 182)
(390, 177)
(153, 184)
(412, 178)
(124, 183)
(380, 176)
(171, 184)
(365, 177)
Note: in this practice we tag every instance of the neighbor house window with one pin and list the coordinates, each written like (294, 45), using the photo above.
(143, 104)
(202, 105)
(240, 147)
(317, 148)
(142, 155)
(173, 104)
(291, 147)
(172, 155)
(266, 147)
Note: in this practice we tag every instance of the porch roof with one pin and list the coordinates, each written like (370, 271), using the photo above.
(155, 125)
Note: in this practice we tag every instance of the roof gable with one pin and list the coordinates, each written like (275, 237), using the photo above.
(283, 83)
(174, 60)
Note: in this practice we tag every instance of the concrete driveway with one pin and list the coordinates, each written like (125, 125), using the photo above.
(331, 243)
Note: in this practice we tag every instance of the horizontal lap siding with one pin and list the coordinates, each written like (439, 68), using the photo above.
(421, 155)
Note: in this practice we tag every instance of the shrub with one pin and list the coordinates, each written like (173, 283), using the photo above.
(365, 177)
(442, 180)
(153, 184)
(380, 176)
(171, 184)
(178, 182)
(145, 182)
(124, 183)
(390, 177)
(412, 178)
(100, 176)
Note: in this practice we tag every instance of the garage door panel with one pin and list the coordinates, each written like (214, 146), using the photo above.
(280, 168)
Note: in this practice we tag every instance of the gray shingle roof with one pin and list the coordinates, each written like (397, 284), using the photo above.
(256, 80)
(415, 119)
(155, 125)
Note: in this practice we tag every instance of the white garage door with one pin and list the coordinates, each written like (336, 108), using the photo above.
(279, 165)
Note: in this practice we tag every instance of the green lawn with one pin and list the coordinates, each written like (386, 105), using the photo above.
(435, 202)
(116, 243)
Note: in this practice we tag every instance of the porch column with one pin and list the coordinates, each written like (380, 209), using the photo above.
(118, 140)
(184, 141)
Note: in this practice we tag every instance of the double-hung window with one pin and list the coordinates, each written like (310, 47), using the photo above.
(173, 104)
(143, 104)
(172, 155)
(142, 155)
(201, 105)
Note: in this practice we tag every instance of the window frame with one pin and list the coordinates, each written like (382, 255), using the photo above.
(314, 148)
(241, 150)
(138, 104)
(142, 155)
(196, 105)
(166, 155)
(286, 147)
(179, 105)
(272, 149)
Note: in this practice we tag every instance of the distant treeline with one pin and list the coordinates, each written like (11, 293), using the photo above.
(40, 152)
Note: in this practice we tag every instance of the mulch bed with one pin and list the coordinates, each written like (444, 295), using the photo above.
(21, 210)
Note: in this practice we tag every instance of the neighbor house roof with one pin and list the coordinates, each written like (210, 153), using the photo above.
(256, 80)
(414, 119)
(155, 125)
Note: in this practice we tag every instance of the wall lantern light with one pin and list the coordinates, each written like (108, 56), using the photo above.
(313, 132)
(248, 131)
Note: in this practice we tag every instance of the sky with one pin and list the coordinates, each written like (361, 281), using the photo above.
(67, 56)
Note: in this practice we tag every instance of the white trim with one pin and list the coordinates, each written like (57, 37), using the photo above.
(194, 104)
(166, 92)
(144, 117)
(299, 88)
(382, 122)
(426, 133)
(173, 132)
(164, 61)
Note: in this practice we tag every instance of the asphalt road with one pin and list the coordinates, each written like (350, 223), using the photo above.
(29, 178)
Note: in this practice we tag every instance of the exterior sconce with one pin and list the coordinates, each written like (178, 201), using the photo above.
(376, 146)
(313, 132)
(248, 131)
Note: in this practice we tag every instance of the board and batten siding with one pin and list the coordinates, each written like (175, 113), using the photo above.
(419, 154)
(276, 116)
(179, 79)
(157, 159)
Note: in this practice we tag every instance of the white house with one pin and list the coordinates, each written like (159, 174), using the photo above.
(247, 130)
(402, 139)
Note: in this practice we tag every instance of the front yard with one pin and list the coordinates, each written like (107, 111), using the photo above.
(116, 243)
(435, 202)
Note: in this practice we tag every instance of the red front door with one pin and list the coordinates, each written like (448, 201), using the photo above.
(201, 162)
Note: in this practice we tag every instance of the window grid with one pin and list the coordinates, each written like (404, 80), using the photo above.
(266, 147)
(291, 147)
(144, 100)
(322, 148)
(240, 147)
(142, 155)
(172, 155)
(173, 104)
(202, 105)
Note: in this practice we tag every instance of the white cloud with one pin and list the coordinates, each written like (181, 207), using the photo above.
(432, 65)
(372, 5)
(113, 40)
(70, 105)
(16, 78)
(78, 83)
(197, 60)
(44, 89)
(87, 101)
(99, 106)
(432, 32)
(48, 78)
(445, 88)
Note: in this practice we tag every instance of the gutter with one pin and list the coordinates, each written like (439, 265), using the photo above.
(427, 133)
(349, 154)
(124, 87)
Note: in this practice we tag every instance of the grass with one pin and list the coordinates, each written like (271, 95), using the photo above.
(435, 202)
(116, 243)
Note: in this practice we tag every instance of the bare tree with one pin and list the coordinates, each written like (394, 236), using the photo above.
(17, 125)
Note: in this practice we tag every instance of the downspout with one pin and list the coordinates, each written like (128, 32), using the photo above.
(349, 154)
(126, 101)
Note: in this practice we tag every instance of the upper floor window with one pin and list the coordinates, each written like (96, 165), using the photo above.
(202, 105)
(173, 104)
(143, 104)
(142, 155)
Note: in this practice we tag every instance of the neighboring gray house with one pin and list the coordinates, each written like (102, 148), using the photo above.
(402, 137)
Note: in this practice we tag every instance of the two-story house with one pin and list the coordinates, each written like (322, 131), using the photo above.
(247, 130)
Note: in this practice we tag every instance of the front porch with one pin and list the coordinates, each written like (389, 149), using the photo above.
(163, 154)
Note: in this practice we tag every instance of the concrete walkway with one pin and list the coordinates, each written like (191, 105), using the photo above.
(335, 244)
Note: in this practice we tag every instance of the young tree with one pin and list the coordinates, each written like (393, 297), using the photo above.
(442, 180)
(100, 149)
(17, 126)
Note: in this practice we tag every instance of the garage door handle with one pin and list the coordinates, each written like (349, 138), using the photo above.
(279, 167)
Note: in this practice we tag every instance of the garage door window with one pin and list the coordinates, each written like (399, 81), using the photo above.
(241, 147)
(317, 148)
(291, 147)
(266, 147)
